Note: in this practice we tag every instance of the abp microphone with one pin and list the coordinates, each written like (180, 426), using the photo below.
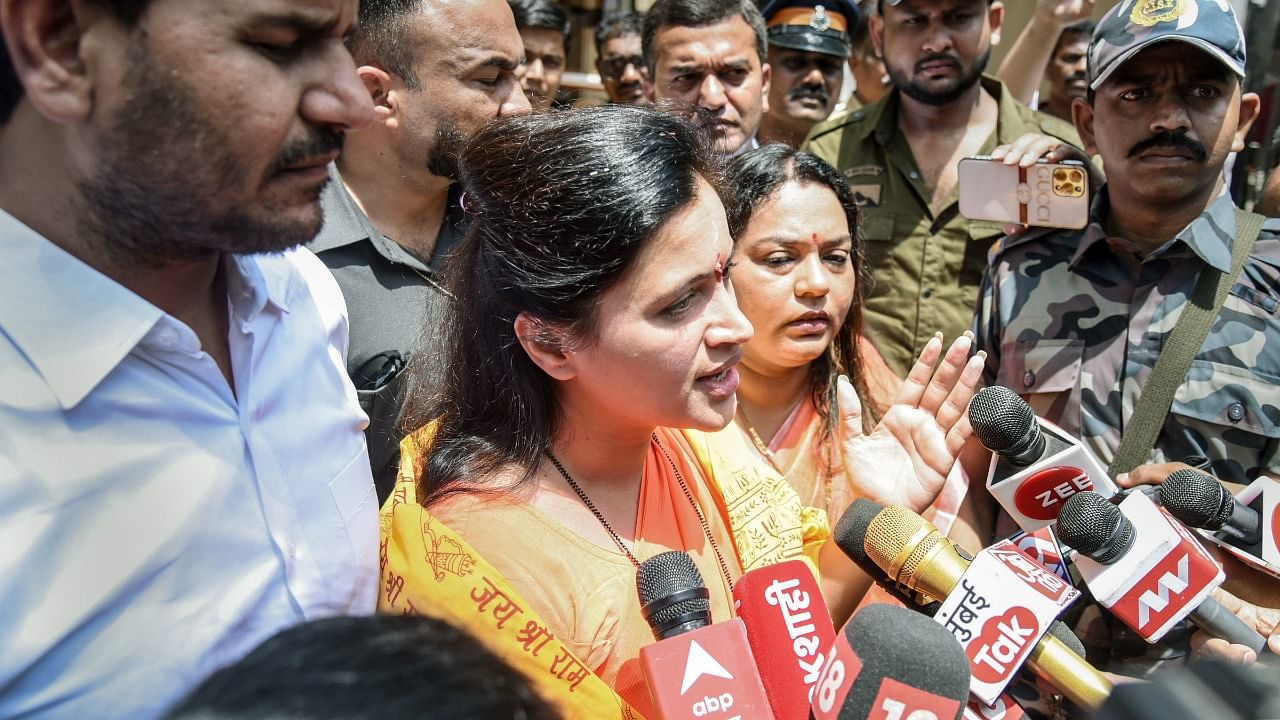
(697, 670)
(1147, 569)
(1035, 465)
(789, 630)
(891, 662)
(913, 553)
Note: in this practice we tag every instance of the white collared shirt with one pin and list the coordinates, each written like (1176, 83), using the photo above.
(154, 526)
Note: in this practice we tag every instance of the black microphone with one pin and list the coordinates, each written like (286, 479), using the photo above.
(1036, 465)
(1209, 689)
(1200, 501)
(1101, 531)
(1006, 425)
(696, 670)
(893, 662)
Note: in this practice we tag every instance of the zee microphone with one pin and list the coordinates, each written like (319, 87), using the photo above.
(1100, 530)
(891, 662)
(1035, 465)
(789, 631)
(913, 553)
(697, 670)
(1200, 501)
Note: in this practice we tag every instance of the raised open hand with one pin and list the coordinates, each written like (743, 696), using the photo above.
(905, 460)
(1064, 12)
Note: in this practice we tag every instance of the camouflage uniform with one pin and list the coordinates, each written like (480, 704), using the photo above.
(1073, 320)
(925, 265)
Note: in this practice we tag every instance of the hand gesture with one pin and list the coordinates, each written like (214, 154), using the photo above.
(1062, 13)
(1265, 620)
(906, 459)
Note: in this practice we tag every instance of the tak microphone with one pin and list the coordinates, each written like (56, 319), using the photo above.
(1173, 578)
(1035, 464)
(913, 553)
(696, 670)
(891, 662)
(789, 630)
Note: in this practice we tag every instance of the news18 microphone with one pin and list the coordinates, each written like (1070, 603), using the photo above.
(1035, 464)
(1169, 575)
(696, 670)
(915, 554)
(891, 662)
(789, 630)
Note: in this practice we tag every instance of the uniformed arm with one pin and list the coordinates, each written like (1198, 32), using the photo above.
(1023, 68)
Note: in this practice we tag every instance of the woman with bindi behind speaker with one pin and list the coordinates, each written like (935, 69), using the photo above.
(594, 319)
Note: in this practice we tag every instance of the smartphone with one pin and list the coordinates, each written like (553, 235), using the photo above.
(1046, 194)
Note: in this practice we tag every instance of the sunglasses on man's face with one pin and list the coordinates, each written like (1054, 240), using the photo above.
(615, 66)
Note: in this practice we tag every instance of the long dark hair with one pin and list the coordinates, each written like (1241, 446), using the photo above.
(561, 204)
(750, 179)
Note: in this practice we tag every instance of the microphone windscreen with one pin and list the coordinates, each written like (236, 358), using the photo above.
(1196, 499)
(850, 532)
(898, 644)
(1094, 527)
(672, 593)
(1059, 629)
(1001, 420)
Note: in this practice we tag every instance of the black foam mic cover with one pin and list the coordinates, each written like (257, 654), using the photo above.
(903, 645)
(673, 596)
(1200, 501)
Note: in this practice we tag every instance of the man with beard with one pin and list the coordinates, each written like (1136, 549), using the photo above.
(1075, 320)
(900, 157)
(437, 71)
(182, 472)
(808, 47)
(708, 59)
(619, 59)
(544, 30)
(1067, 69)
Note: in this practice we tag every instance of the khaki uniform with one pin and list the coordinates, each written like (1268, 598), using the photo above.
(925, 267)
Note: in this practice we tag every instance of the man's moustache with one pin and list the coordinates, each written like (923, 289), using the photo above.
(1170, 139)
(817, 93)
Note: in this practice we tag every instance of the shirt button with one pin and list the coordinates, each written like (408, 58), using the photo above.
(928, 293)
(915, 175)
(1029, 378)
(168, 338)
(1235, 412)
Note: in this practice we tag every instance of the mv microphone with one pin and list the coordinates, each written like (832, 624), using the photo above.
(697, 670)
(1200, 501)
(789, 631)
(914, 554)
(1035, 465)
(1102, 532)
(892, 662)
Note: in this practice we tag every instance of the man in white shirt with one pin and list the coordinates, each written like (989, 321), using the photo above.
(182, 470)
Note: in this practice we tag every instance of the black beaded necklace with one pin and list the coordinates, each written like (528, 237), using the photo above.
(706, 529)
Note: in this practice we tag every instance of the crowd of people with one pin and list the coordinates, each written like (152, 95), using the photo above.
(311, 310)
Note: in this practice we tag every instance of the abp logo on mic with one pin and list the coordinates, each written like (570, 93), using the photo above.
(1042, 495)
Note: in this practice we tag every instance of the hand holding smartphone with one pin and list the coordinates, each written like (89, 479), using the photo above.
(1047, 194)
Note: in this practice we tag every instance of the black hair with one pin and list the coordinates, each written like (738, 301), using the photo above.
(880, 5)
(1084, 27)
(382, 38)
(699, 13)
(750, 179)
(561, 204)
(366, 668)
(546, 14)
(631, 23)
(860, 33)
(126, 11)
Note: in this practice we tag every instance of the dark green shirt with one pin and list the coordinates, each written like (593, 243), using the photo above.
(925, 267)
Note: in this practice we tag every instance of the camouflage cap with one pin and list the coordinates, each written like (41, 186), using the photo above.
(1132, 25)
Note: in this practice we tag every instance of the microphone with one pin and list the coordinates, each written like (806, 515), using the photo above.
(1200, 501)
(1209, 689)
(912, 552)
(789, 631)
(1035, 465)
(1170, 591)
(891, 662)
(697, 670)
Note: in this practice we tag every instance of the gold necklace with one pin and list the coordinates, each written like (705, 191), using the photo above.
(617, 539)
(767, 454)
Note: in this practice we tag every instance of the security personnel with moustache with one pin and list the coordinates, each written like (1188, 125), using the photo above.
(809, 44)
(900, 155)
